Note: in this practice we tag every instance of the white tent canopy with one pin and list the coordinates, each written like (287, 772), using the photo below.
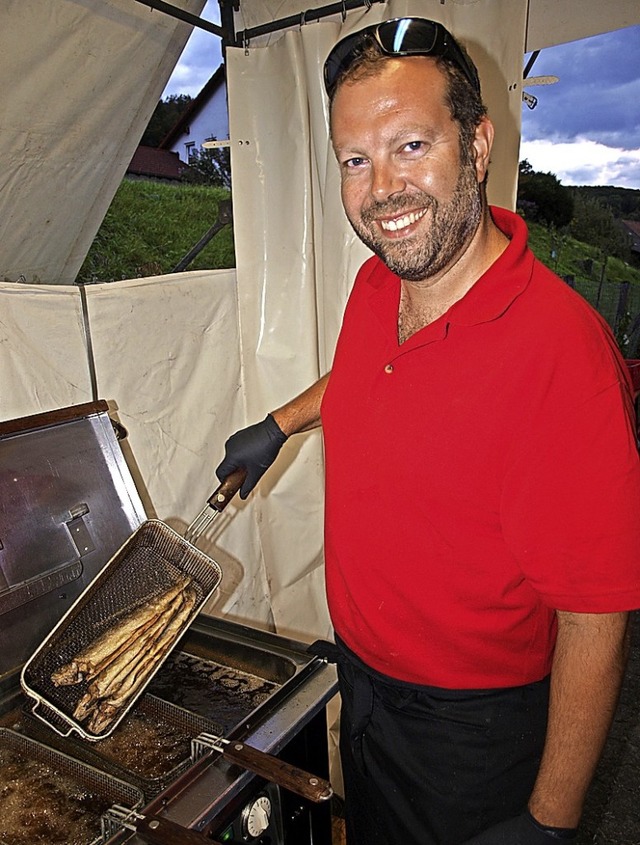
(186, 359)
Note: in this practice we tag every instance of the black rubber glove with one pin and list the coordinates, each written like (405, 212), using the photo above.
(254, 448)
(523, 830)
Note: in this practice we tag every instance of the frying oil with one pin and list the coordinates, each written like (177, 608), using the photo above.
(39, 804)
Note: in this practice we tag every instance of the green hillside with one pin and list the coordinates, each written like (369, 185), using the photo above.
(616, 297)
(151, 226)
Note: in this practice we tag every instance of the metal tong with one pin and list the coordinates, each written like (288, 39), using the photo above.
(216, 503)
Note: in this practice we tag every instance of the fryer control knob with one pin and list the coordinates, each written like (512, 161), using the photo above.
(256, 817)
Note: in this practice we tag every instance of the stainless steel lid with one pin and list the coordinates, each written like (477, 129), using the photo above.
(67, 503)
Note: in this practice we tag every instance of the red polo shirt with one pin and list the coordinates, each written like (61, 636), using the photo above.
(478, 476)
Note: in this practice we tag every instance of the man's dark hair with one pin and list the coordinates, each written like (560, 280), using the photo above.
(465, 104)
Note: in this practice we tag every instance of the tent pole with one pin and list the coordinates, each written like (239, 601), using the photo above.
(243, 37)
(182, 15)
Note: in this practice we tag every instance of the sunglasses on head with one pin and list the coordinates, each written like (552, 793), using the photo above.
(398, 37)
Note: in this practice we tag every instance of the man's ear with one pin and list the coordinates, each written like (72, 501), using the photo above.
(482, 143)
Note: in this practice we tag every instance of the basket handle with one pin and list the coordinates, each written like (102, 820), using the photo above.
(223, 494)
(51, 719)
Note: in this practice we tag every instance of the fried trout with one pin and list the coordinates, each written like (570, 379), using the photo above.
(153, 652)
(116, 672)
(116, 640)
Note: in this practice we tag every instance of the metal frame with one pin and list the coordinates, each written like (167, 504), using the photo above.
(242, 38)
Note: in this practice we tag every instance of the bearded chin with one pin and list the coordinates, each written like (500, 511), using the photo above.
(452, 226)
(409, 263)
(415, 265)
(417, 261)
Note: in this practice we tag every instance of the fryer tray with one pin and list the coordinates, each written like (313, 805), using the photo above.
(93, 754)
(111, 790)
(153, 559)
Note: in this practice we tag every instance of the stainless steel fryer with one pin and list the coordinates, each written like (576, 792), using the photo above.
(68, 504)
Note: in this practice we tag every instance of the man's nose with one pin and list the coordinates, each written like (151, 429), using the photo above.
(386, 181)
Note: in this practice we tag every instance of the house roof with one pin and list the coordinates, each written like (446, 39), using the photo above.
(194, 108)
(156, 163)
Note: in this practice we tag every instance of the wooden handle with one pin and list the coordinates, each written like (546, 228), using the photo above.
(223, 494)
(272, 768)
(160, 831)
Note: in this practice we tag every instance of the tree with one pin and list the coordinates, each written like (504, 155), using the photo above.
(210, 167)
(163, 119)
(525, 169)
(623, 202)
(595, 224)
(543, 198)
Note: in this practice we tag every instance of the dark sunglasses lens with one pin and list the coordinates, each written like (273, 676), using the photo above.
(342, 56)
(407, 36)
(402, 37)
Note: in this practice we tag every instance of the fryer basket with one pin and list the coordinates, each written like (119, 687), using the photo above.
(97, 755)
(109, 789)
(151, 561)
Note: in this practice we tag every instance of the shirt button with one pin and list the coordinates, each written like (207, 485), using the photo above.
(388, 368)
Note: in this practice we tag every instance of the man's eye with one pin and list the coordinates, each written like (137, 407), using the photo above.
(412, 146)
(354, 162)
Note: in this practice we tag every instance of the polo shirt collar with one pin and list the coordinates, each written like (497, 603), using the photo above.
(504, 280)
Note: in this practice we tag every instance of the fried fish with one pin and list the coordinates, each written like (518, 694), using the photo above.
(116, 640)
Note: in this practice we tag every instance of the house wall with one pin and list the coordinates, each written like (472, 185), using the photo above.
(211, 122)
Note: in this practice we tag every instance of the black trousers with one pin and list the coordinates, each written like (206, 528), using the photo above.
(428, 766)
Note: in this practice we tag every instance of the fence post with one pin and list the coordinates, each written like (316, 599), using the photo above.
(623, 299)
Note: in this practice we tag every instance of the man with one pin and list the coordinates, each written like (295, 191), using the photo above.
(482, 480)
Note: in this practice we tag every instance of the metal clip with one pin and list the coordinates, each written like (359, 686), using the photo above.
(204, 743)
(78, 529)
(116, 818)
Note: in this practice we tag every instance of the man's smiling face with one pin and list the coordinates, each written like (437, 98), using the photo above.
(406, 191)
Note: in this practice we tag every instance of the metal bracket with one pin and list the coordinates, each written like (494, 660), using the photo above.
(116, 818)
(205, 743)
(78, 530)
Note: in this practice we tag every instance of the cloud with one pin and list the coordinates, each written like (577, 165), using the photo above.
(586, 127)
(584, 162)
(598, 93)
(200, 58)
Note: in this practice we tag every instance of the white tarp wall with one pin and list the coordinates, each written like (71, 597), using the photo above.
(166, 358)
